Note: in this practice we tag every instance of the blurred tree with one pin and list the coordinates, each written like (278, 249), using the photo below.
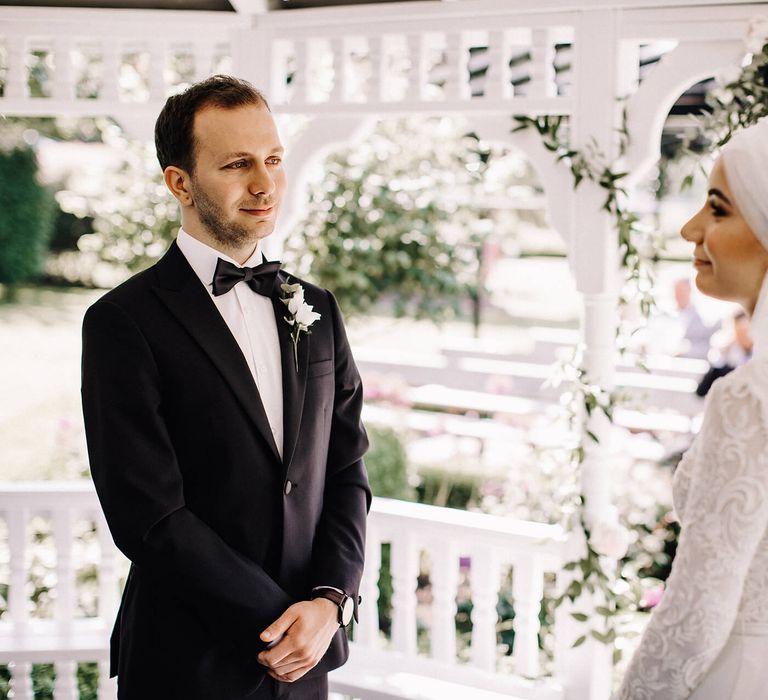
(26, 223)
(396, 218)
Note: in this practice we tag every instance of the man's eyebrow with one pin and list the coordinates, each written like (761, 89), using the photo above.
(718, 193)
(245, 154)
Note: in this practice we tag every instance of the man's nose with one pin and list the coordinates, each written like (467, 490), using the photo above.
(261, 182)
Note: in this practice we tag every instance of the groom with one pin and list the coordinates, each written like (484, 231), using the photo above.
(224, 432)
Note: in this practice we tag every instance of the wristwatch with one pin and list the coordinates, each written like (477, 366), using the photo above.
(345, 604)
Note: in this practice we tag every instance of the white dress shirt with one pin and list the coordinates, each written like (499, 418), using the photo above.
(251, 319)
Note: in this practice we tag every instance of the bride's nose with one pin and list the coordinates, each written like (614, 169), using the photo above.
(692, 230)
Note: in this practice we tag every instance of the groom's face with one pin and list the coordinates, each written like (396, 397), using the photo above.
(238, 180)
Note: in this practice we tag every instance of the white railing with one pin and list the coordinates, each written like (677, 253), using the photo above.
(489, 545)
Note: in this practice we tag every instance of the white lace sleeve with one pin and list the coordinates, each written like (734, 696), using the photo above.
(724, 519)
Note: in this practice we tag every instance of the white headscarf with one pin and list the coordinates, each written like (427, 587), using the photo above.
(745, 158)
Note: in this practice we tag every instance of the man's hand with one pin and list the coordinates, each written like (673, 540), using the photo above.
(304, 632)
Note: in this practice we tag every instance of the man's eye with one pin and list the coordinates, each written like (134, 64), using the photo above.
(274, 160)
(237, 165)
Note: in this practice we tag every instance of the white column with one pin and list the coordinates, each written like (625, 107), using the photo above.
(405, 569)
(299, 86)
(65, 573)
(108, 577)
(63, 85)
(542, 64)
(457, 79)
(16, 80)
(527, 592)
(339, 58)
(367, 631)
(204, 55)
(65, 686)
(18, 605)
(416, 77)
(375, 59)
(485, 574)
(156, 81)
(497, 85)
(107, 685)
(110, 67)
(444, 575)
(21, 681)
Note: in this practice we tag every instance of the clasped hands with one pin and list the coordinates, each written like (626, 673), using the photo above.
(304, 632)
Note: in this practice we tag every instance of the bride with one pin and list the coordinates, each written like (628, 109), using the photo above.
(708, 638)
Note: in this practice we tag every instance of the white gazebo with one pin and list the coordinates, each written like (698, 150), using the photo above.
(341, 68)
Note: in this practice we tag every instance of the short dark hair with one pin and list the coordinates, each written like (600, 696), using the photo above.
(174, 128)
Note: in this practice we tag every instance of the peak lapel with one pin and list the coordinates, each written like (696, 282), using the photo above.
(294, 383)
(181, 291)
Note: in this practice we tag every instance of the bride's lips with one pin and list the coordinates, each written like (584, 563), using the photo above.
(698, 262)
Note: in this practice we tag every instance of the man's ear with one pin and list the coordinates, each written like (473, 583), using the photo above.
(177, 181)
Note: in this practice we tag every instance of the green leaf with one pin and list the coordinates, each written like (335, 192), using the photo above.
(579, 641)
(580, 617)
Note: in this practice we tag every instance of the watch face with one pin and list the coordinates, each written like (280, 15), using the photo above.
(347, 611)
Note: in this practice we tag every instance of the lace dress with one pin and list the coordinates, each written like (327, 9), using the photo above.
(708, 638)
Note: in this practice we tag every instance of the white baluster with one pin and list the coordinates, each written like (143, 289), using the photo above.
(485, 574)
(110, 71)
(375, 59)
(157, 59)
(16, 80)
(204, 57)
(542, 64)
(63, 85)
(497, 85)
(21, 681)
(65, 686)
(457, 78)
(527, 592)
(405, 568)
(339, 56)
(107, 685)
(65, 573)
(299, 85)
(108, 578)
(367, 631)
(444, 575)
(18, 605)
(416, 73)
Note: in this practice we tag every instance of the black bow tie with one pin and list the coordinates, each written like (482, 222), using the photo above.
(261, 279)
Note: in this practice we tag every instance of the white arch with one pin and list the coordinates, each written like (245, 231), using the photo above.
(649, 106)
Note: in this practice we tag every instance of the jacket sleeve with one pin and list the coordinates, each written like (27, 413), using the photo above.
(725, 520)
(141, 489)
(339, 545)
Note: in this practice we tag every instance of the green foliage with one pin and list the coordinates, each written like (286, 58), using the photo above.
(387, 464)
(394, 220)
(27, 206)
(44, 678)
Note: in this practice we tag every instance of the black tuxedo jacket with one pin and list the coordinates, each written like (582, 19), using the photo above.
(223, 535)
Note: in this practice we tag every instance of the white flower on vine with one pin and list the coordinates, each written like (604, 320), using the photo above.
(757, 34)
(728, 75)
(609, 539)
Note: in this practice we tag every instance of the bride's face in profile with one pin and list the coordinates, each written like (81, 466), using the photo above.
(730, 262)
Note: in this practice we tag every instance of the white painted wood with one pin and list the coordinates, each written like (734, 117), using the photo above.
(340, 68)
(485, 575)
(527, 592)
(18, 608)
(63, 84)
(444, 576)
(417, 77)
(110, 70)
(109, 593)
(497, 85)
(456, 86)
(405, 568)
(367, 631)
(107, 685)
(542, 64)
(21, 681)
(157, 60)
(61, 521)
(299, 86)
(16, 79)
(376, 61)
(65, 687)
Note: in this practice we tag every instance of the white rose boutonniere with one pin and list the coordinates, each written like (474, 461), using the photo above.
(301, 315)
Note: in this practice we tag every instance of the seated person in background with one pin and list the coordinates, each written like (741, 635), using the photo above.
(696, 333)
(730, 356)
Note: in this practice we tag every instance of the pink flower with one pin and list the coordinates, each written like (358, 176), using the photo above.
(652, 596)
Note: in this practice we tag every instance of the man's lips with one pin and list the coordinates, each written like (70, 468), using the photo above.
(259, 212)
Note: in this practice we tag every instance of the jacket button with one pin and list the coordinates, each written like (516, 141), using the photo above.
(288, 487)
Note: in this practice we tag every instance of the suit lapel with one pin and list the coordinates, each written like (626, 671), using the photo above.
(180, 290)
(294, 382)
